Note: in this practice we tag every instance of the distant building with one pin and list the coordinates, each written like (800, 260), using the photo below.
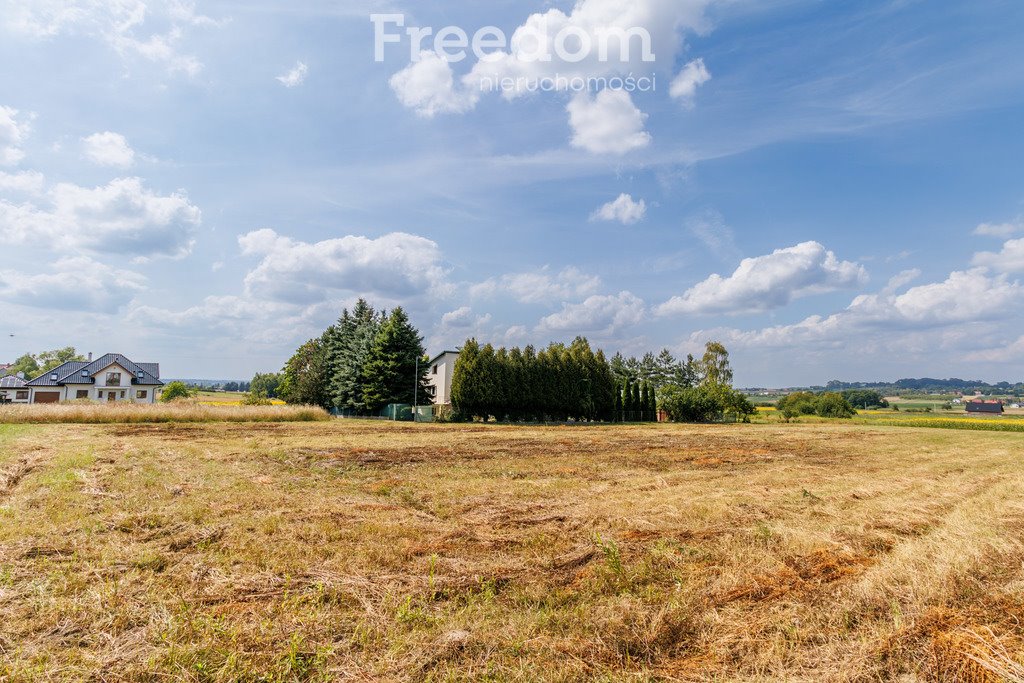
(985, 407)
(13, 389)
(439, 377)
(111, 378)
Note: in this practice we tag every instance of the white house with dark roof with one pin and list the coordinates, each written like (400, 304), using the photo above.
(439, 377)
(14, 389)
(110, 378)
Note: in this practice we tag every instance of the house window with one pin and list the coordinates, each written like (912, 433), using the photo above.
(122, 394)
(435, 370)
(142, 394)
(82, 393)
(21, 396)
(113, 379)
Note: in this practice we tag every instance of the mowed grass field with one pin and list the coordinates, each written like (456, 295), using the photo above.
(380, 552)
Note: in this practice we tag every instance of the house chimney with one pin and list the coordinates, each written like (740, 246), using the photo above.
(90, 356)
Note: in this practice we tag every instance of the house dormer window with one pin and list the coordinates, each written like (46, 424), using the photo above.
(53, 377)
(113, 379)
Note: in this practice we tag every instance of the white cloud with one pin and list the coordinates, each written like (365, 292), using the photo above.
(394, 266)
(109, 149)
(607, 124)
(296, 76)
(612, 27)
(768, 282)
(597, 314)
(1001, 230)
(153, 31)
(428, 87)
(684, 86)
(26, 182)
(1009, 260)
(625, 210)
(1008, 353)
(591, 21)
(540, 287)
(964, 298)
(237, 317)
(460, 324)
(72, 284)
(14, 131)
(122, 217)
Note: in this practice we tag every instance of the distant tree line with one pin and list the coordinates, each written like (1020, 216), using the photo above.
(928, 385)
(364, 362)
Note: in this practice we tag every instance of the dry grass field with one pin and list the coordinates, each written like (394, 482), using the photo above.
(378, 552)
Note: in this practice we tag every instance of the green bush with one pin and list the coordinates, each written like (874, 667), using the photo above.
(175, 391)
(830, 405)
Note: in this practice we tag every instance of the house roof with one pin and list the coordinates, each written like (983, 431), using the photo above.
(440, 356)
(985, 406)
(44, 380)
(145, 374)
(11, 382)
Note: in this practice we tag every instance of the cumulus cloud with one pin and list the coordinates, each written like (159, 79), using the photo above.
(14, 130)
(109, 149)
(153, 31)
(608, 123)
(1009, 260)
(600, 314)
(428, 87)
(965, 297)
(72, 284)
(611, 23)
(540, 287)
(394, 266)
(684, 85)
(294, 77)
(623, 38)
(768, 282)
(122, 217)
(26, 182)
(625, 210)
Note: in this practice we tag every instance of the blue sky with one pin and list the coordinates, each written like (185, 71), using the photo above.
(834, 190)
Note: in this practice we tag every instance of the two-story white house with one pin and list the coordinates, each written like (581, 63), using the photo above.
(109, 378)
(439, 377)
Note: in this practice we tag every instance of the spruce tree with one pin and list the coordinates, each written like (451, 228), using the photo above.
(354, 340)
(390, 372)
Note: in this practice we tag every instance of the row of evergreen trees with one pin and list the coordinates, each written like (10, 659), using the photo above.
(359, 365)
(636, 402)
(558, 383)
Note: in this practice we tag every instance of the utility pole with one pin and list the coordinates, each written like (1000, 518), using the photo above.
(416, 389)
